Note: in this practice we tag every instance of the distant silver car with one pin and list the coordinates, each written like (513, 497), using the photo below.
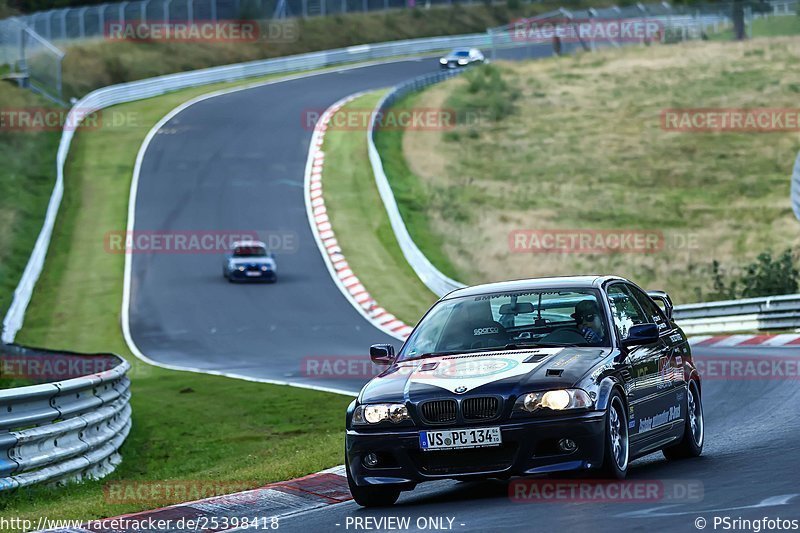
(249, 261)
(462, 57)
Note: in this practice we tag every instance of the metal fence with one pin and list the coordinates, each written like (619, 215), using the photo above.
(88, 22)
(69, 429)
(677, 22)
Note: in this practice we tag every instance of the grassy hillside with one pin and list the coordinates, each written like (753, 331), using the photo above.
(576, 144)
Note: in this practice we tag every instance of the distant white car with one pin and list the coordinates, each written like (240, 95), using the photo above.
(462, 57)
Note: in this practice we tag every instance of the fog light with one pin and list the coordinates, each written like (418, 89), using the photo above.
(371, 460)
(567, 445)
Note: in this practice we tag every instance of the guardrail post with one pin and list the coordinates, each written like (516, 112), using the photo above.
(214, 10)
(190, 11)
(59, 72)
(64, 23)
(101, 15)
(121, 13)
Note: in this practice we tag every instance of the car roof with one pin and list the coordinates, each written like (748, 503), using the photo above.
(237, 244)
(555, 282)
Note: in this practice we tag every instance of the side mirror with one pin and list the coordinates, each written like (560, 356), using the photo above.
(663, 300)
(382, 354)
(641, 334)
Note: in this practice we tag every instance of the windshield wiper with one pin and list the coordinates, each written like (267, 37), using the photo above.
(430, 354)
(516, 346)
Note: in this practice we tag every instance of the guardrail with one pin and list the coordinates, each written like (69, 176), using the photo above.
(67, 429)
(138, 90)
(751, 314)
(437, 282)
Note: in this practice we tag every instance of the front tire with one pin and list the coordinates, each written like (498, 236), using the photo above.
(372, 496)
(691, 445)
(616, 455)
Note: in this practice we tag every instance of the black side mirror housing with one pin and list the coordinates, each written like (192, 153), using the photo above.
(641, 334)
(382, 354)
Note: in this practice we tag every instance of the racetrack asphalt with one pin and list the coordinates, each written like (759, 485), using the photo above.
(235, 164)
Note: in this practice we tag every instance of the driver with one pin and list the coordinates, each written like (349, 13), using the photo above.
(587, 318)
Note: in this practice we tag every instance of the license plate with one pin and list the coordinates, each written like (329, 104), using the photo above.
(451, 439)
(252, 274)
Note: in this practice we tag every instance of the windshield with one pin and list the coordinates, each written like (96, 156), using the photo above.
(461, 53)
(510, 320)
(250, 251)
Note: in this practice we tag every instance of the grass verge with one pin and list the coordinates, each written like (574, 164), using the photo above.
(415, 198)
(585, 150)
(215, 429)
(362, 226)
(26, 181)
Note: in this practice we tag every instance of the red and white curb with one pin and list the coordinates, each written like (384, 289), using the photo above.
(745, 341)
(340, 270)
(268, 504)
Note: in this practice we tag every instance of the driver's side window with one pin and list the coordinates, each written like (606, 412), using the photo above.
(624, 308)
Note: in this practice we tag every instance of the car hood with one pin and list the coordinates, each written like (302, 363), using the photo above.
(497, 372)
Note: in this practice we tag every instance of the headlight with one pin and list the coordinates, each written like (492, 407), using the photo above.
(462, 61)
(443, 61)
(264, 268)
(241, 269)
(381, 412)
(553, 400)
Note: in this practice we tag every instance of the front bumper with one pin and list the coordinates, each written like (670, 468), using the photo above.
(261, 275)
(530, 446)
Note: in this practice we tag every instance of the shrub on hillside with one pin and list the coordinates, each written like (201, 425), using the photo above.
(766, 276)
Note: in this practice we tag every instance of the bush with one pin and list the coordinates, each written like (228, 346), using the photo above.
(487, 95)
(764, 277)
